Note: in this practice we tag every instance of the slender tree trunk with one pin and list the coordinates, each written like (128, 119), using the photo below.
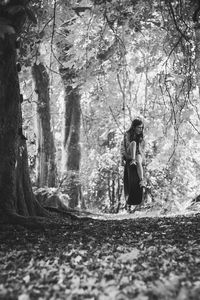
(146, 92)
(71, 146)
(197, 53)
(71, 142)
(45, 162)
(71, 152)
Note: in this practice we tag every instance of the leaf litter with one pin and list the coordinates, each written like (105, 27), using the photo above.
(132, 258)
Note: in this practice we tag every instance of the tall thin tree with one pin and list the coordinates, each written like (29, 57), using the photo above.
(45, 163)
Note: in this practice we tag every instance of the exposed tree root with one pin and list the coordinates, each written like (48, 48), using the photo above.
(28, 222)
(33, 222)
(70, 213)
(45, 217)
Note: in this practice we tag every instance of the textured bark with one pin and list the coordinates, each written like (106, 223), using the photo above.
(45, 163)
(16, 195)
(26, 203)
(9, 121)
(197, 53)
(71, 147)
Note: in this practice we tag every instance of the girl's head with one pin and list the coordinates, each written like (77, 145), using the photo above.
(136, 129)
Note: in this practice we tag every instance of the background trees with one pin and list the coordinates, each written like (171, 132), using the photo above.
(104, 64)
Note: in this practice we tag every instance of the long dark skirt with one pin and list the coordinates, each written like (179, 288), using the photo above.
(133, 192)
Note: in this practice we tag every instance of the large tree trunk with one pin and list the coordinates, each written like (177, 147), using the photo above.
(71, 147)
(16, 196)
(26, 203)
(45, 163)
(9, 122)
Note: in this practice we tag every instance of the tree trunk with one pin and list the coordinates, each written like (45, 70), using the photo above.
(16, 196)
(197, 53)
(9, 122)
(26, 204)
(45, 162)
(71, 147)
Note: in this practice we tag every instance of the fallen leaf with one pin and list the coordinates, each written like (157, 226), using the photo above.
(27, 278)
(183, 294)
(129, 256)
(23, 297)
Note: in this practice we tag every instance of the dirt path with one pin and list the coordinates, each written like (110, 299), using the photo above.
(132, 258)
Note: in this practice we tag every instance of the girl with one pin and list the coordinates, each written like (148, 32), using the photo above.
(133, 147)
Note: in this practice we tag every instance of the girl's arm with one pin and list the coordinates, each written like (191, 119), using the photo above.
(142, 150)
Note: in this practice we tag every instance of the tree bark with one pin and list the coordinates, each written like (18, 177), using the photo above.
(16, 195)
(9, 121)
(45, 162)
(197, 53)
(71, 147)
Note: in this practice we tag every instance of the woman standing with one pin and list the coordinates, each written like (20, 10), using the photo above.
(133, 155)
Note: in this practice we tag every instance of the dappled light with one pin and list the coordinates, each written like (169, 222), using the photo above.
(99, 149)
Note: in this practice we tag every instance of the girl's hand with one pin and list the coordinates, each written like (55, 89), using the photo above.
(133, 162)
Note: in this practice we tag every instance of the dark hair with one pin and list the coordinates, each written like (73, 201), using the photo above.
(131, 131)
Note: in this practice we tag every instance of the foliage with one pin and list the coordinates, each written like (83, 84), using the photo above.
(165, 108)
(103, 188)
(135, 60)
(144, 258)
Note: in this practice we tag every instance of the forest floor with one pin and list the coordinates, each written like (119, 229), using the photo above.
(125, 257)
